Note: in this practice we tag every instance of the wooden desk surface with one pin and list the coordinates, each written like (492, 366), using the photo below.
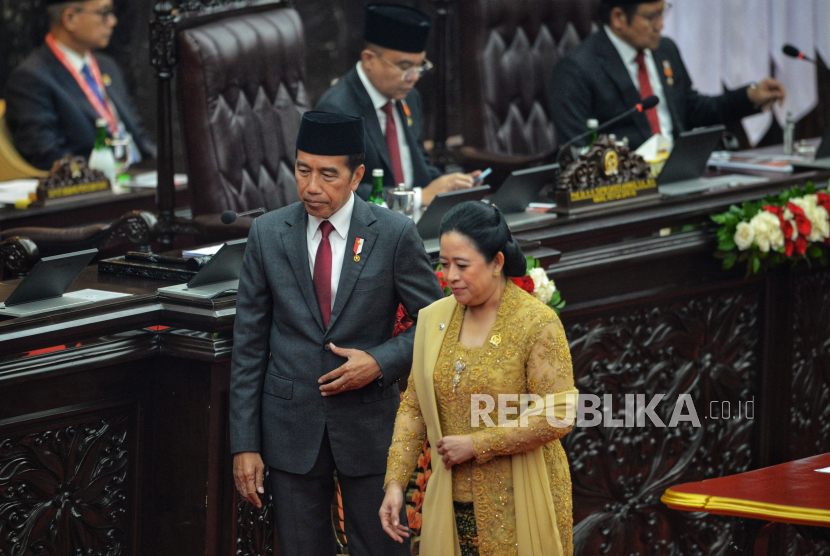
(790, 493)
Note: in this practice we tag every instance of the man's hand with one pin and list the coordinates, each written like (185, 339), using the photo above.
(248, 471)
(447, 182)
(360, 369)
(456, 449)
(765, 93)
(390, 511)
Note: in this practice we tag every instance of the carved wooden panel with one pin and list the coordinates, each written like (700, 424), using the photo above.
(68, 487)
(810, 395)
(255, 527)
(706, 346)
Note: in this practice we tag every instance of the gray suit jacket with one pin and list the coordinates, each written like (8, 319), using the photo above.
(280, 343)
(349, 97)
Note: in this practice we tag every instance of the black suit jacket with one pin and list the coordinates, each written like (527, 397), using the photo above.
(348, 96)
(280, 351)
(49, 115)
(592, 82)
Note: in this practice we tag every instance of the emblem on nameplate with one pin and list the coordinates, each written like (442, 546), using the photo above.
(612, 163)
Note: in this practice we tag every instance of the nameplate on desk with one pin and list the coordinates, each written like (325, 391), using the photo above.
(80, 189)
(615, 192)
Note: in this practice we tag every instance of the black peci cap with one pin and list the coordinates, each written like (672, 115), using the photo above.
(396, 27)
(327, 134)
(627, 2)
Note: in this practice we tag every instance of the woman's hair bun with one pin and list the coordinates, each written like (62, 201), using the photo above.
(485, 227)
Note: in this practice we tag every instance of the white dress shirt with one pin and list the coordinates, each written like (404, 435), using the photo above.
(341, 220)
(379, 100)
(629, 57)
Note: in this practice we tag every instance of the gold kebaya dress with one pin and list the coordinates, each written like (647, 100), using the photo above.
(518, 484)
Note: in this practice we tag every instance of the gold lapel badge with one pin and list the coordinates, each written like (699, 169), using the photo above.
(106, 79)
(496, 340)
(408, 114)
(358, 247)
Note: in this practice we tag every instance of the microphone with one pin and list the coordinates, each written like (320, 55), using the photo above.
(229, 216)
(646, 104)
(793, 52)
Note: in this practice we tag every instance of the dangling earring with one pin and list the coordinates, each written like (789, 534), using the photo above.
(497, 273)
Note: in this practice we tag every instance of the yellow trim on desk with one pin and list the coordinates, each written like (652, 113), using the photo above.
(771, 512)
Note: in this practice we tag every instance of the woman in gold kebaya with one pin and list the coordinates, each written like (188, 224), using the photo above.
(495, 490)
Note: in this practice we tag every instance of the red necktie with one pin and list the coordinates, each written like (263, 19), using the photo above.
(392, 143)
(322, 272)
(645, 91)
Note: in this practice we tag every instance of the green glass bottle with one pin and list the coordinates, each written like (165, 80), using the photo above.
(377, 187)
(592, 127)
(101, 157)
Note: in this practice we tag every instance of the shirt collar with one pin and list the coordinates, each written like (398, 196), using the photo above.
(341, 220)
(378, 98)
(75, 60)
(627, 52)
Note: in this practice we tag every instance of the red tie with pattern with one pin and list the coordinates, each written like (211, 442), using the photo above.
(392, 143)
(322, 272)
(645, 91)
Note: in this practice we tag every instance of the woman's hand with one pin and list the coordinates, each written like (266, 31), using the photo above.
(390, 512)
(456, 449)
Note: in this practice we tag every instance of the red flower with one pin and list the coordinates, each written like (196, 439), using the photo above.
(441, 280)
(524, 282)
(801, 245)
(777, 211)
(787, 228)
(801, 221)
(824, 201)
(402, 321)
(788, 247)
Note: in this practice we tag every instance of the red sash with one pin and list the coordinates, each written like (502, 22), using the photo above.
(104, 110)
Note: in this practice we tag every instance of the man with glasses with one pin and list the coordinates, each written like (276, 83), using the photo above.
(628, 60)
(381, 90)
(55, 96)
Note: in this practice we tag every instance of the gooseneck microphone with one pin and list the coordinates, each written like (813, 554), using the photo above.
(646, 104)
(229, 216)
(793, 52)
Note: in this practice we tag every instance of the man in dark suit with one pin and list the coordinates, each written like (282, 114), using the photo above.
(55, 96)
(315, 371)
(381, 90)
(628, 60)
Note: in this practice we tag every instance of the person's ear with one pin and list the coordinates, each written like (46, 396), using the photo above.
(498, 263)
(618, 18)
(367, 56)
(357, 176)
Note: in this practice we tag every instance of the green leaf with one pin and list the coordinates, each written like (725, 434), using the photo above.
(756, 265)
(810, 188)
(814, 252)
(438, 268)
(727, 244)
(719, 218)
(732, 220)
(729, 262)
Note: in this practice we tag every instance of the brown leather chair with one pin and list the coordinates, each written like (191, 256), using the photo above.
(241, 87)
(507, 52)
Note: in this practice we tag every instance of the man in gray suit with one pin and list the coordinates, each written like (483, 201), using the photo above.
(314, 378)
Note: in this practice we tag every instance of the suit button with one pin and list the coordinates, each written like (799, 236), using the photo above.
(326, 347)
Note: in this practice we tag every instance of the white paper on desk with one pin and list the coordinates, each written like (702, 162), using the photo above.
(824, 470)
(13, 191)
(212, 250)
(96, 295)
(150, 180)
(651, 149)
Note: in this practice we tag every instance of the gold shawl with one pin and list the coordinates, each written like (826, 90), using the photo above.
(536, 529)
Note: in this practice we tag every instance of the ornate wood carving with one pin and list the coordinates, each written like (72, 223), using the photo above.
(255, 527)
(707, 347)
(810, 391)
(64, 490)
(18, 256)
(71, 176)
(608, 173)
(136, 227)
